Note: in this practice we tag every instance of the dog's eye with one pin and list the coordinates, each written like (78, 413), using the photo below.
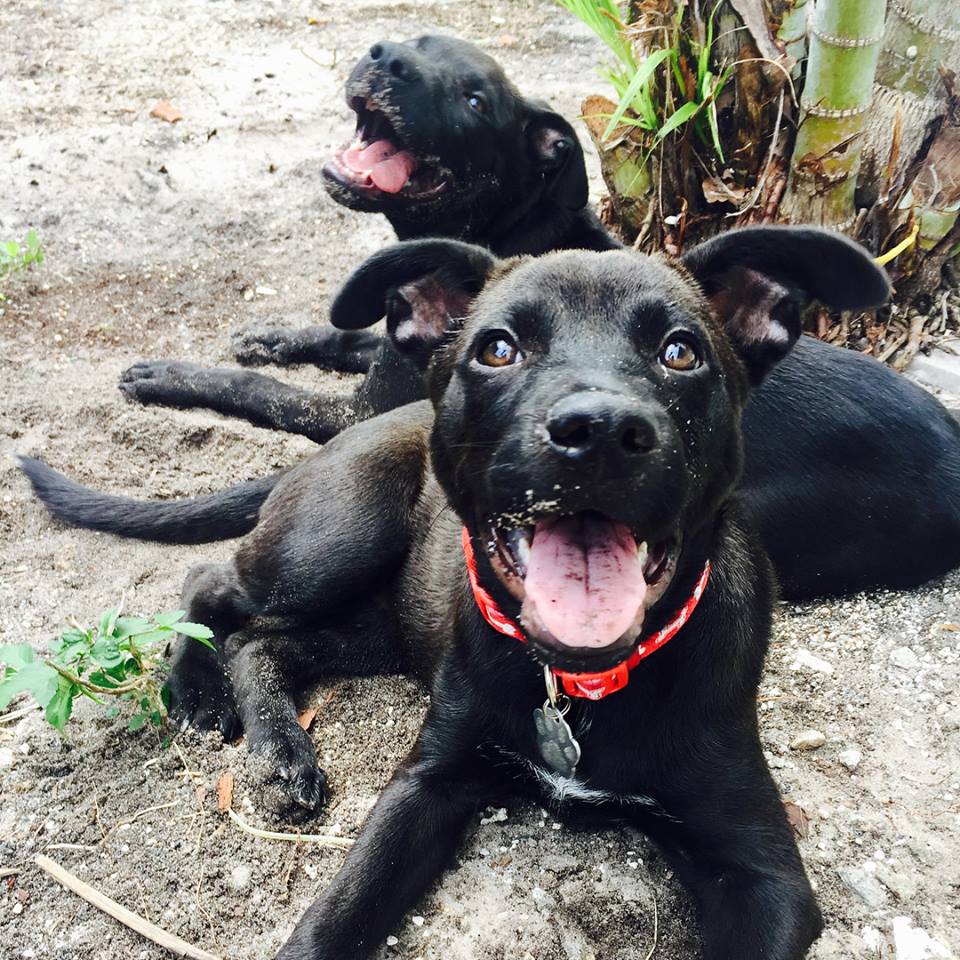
(476, 103)
(499, 351)
(680, 354)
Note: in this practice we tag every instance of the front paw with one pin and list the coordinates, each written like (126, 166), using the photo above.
(157, 381)
(203, 700)
(284, 762)
(257, 346)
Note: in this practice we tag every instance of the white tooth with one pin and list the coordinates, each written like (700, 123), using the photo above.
(642, 554)
(523, 550)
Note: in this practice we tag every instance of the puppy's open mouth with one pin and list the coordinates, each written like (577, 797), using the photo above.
(584, 582)
(377, 162)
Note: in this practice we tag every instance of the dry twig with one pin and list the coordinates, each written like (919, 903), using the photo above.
(324, 840)
(127, 917)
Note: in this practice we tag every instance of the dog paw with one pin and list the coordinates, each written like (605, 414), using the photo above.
(204, 702)
(285, 766)
(257, 346)
(157, 381)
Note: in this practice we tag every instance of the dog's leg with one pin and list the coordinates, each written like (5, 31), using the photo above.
(349, 351)
(733, 847)
(239, 393)
(267, 663)
(200, 691)
(407, 840)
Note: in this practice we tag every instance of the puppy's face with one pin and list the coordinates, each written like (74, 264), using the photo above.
(439, 126)
(587, 429)
(588, 404)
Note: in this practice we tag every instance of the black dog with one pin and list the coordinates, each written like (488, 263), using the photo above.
(852, 474)
(565, 503)
(445, 146)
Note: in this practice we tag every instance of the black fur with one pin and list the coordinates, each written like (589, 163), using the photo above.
(355, 565)
(843, 458)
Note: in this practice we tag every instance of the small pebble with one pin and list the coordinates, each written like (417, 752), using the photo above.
(904, 658)
(805, 660)
(850, 758)
(417, 921)
(240, 877)
(392, 941)
(808, 740)
(6, 758)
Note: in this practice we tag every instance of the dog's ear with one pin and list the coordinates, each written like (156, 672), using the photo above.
(759, 279)
(423, 287)
(557, 156)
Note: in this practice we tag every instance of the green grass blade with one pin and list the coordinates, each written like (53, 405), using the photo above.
(640, 79)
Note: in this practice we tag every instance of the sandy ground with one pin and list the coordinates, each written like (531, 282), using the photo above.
(156, 236)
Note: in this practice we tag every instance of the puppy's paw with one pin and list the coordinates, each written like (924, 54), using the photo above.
(257, 346)
(205, 702)
(158, 381)
(285, 764)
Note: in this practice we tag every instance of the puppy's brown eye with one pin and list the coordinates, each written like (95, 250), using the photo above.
(476, 103)
(499, 351)
(679, 354)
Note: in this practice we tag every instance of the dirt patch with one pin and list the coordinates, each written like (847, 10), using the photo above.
(156, 234)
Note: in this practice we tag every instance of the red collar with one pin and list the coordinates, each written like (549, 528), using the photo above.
(592, 686)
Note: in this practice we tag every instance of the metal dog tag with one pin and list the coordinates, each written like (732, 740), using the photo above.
(555, 740)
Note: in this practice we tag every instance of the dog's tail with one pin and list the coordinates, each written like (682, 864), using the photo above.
(215, 516)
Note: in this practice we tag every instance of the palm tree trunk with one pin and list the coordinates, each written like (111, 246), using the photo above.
(844, 50)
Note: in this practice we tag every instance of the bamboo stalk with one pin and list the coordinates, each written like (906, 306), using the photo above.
(844, 49)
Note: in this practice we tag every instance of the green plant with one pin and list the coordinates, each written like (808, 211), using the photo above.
(119, 657)
(659, 102)
(15, 257)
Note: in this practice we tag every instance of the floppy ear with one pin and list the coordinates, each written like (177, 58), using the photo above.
(759, 279)
(557, 156)
(423, 287)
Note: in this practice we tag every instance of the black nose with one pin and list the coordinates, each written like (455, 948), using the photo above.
(592, 424)
(395, 59)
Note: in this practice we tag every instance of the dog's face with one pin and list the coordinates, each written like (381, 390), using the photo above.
(588, 405)
(439, 129)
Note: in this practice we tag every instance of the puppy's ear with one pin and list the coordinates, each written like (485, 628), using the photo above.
(423, 287)
(759, 279)
(557, 156)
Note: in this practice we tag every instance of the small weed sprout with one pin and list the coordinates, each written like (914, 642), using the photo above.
(120, 657)
(15, 257)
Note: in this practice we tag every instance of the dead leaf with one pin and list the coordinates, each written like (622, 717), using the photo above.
(225, 792)
(716, 191)
(165, 110)
(948, 627)
(799, 819)
(507, 40)
(307, 717)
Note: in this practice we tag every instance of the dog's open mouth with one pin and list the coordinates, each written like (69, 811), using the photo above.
(584, 582)
(377, 162)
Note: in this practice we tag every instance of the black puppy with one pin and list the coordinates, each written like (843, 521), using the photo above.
(560, 516)
(445, 146)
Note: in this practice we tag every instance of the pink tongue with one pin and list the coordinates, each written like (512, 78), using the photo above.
(584, 580)
(387, 167)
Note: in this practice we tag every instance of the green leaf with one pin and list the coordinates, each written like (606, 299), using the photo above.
(154, 636)
(16, 655)
(137, 721)
(640, 79)
(131, 627)
(113, 712)
(37, 679)
(676, 119)
(107, 623)
(197, 631)
(169, 619)
(12, 249)
(61, 705)
(106, 653)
